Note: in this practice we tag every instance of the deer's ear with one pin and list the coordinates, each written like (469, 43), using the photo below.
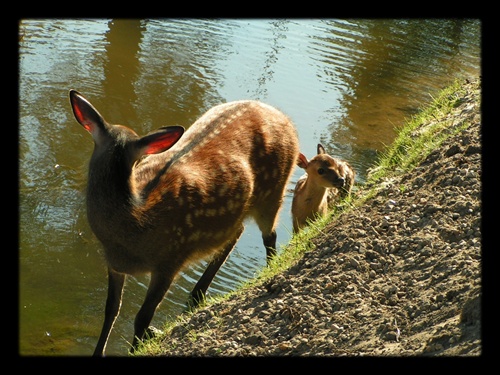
(86, 114)
(302, 161)
(159, 141)
(321, 149)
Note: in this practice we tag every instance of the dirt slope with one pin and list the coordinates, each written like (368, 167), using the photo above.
(399, 276)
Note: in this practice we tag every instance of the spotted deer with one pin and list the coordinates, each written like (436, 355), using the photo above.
(159, 202)
(326, 180)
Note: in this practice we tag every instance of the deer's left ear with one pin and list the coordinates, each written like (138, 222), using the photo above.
(302, 161)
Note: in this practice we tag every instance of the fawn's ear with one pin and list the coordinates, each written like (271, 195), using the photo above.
(302, 161)
(159, 141)
(86, 114)
(321, 149)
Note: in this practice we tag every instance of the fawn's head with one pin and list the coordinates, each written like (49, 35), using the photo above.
(323, 169)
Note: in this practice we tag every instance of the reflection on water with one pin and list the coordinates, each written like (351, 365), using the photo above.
(345, 83)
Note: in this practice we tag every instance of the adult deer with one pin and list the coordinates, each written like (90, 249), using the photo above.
(327, 179)
(162, 201)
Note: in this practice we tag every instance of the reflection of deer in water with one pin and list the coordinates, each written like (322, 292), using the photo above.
(326, 180)
(161, 201)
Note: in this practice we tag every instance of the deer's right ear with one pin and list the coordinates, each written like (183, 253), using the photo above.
(302, 161)
(85, 113)
(159, 141)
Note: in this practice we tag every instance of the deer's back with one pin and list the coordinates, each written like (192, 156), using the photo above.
(233, 144)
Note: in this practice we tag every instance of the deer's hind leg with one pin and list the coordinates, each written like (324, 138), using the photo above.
(266, 217)
(200, 289)
(158, 287)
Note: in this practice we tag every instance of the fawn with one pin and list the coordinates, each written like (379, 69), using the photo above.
(172, 197)
(326, 180)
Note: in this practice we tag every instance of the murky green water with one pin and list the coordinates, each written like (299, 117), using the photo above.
(345, 83)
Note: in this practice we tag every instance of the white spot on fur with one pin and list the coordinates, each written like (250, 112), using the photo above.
(189, 220)
(233, 206)
(195, 236)
(223, 189)
(266, 194)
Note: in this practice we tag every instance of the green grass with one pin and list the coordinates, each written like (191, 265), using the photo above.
(412, 144)
(418, 137)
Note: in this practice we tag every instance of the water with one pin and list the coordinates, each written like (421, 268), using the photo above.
(345, 83)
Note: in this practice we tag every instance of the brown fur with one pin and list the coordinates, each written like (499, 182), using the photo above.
(159, 202)
(326, 180)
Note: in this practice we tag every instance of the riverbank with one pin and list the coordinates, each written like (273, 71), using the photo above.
(398, 274)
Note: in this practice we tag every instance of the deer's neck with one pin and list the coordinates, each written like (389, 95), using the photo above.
(108, 197)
